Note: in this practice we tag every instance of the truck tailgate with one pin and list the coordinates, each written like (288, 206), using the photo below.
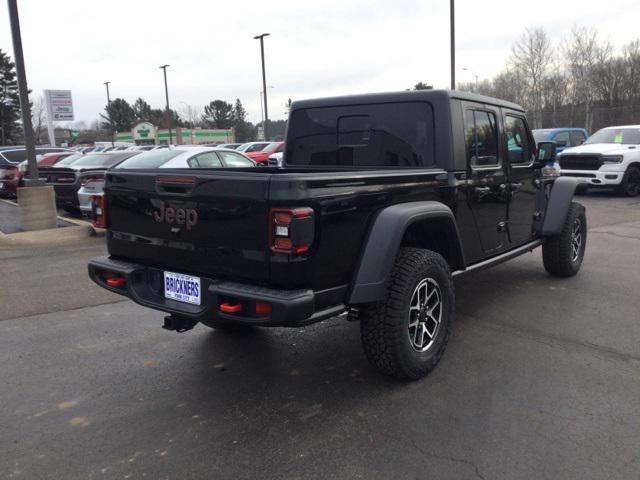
(208, 222)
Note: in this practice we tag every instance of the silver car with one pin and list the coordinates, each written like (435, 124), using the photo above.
(175, 157)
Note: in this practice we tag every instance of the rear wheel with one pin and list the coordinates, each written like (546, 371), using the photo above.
(630, 185)
(406, 333)
(562, 254)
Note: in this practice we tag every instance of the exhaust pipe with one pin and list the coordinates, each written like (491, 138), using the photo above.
(178, 324)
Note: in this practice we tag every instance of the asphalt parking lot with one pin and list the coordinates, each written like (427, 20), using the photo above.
(541, 380)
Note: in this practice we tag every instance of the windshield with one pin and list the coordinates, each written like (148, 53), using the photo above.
(152, 159)
(621, 136)
(70, 159)
(97, 160)
(541, 135)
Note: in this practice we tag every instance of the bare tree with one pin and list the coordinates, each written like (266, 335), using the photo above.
(191, 115)
(38, 117)
(531, 57)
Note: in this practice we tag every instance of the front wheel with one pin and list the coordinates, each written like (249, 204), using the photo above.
(630, 185)
(563, 253)
(406, 333)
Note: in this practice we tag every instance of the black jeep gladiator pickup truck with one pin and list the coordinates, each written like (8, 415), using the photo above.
(383, 200)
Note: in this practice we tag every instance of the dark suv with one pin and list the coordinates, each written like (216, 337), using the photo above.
(383, 200)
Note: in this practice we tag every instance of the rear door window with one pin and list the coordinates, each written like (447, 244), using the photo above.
(577, 138)
(374, 136)
(205, 160)
(562, 139)
(481, 138)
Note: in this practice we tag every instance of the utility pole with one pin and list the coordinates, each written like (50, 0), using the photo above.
(34, 176)
(106, 84)
(264, 84)
(166, 94)
(474, 74)
(452, 29)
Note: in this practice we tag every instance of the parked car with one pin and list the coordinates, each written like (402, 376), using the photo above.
(275, 159)
(252, 147)
(10, 159)
(374, 222)
(178, 157)
(262, 156)
(68, 179)
(609, 158)
(564, 137)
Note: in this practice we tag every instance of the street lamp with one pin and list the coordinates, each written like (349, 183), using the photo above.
(106, 84)
(452, 31)
(166, 94)
(261, 108)
(264, 84)
(472, 73)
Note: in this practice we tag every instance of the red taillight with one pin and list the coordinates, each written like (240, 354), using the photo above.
(291, 230)
(99, 211)
(91, 178)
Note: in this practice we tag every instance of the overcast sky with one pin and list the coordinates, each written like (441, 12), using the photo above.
(329, 47)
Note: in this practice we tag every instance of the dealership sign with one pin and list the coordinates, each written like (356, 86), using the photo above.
(59, 105)
(144, 131)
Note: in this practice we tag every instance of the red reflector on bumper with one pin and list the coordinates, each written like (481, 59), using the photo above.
(263, 308)
(231, 307)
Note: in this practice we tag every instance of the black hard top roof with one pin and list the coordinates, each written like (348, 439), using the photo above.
(434, 96)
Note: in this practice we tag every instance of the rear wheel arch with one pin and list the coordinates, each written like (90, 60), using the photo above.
(428, 225)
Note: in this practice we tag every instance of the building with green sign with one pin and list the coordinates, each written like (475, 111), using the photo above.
(145, 133)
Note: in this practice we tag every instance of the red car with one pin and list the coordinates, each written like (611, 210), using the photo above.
(11, 173)
(262, 157)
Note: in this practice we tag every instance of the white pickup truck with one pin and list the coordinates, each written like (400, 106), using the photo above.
(609, 158)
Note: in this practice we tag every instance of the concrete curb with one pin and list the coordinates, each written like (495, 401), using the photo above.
(51, 236)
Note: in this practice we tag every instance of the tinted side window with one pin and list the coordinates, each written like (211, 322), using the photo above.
(562, 139)
(205, 160)
(481, 136)
(235, 160)
(15, 156)
(518, 144)
(374, 135)
(577, 138)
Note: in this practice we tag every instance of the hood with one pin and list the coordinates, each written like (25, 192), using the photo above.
(599, 148)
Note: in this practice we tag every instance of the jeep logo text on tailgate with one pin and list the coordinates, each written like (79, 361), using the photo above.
(178, 216)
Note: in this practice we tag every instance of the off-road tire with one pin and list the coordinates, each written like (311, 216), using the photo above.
(384, 325)
(630, 185)
(558, 255)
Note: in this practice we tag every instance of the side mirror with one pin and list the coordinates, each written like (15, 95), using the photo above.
(546, 154)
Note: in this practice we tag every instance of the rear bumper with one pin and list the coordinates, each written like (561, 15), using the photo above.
(9, 186)
(144, 285)
(66, 195)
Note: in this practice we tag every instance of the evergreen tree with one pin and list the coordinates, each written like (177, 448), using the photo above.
(242, 128)
(10, 125)
(142, 110)
(218, 114)
(120, 114)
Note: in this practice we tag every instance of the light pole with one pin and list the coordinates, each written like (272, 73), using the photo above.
(166, 94)
(452, 30)
(472, 73)
(106, 84)
(23, 92)
(261, 107)
(264, 84)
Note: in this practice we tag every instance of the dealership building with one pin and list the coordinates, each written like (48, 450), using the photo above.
(146, 133)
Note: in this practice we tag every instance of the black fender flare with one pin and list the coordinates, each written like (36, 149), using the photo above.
(383, 243)
(558, 204)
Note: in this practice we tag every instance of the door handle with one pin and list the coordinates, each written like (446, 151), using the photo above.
(514, 187)
(482, 190)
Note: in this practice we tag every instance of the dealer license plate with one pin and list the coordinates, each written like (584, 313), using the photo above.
(183, 288)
